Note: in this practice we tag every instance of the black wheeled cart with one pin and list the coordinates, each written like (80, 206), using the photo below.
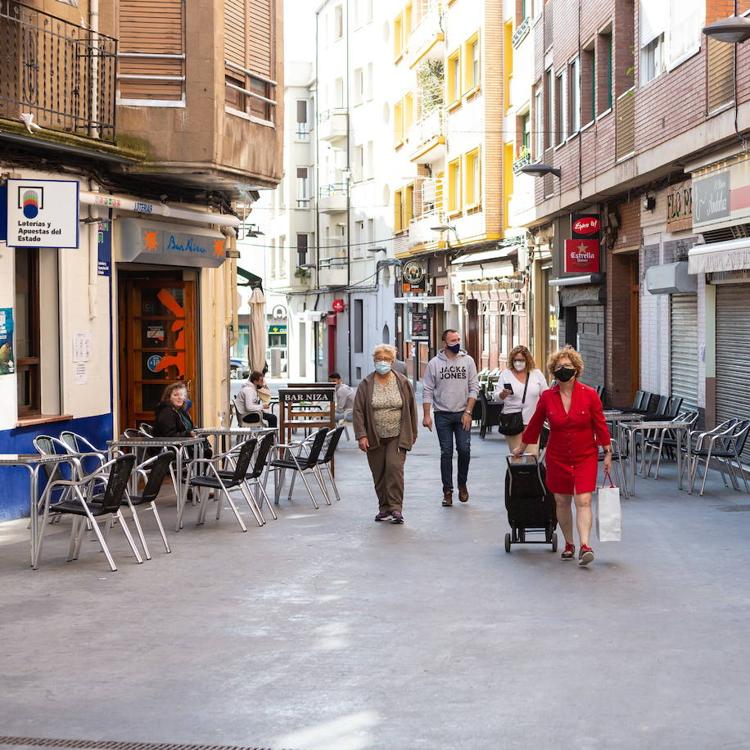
(530, 506)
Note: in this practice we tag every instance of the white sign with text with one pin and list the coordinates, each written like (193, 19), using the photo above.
(43, 213)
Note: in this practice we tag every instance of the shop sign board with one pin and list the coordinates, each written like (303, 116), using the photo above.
(413, 277)
(338, 305)
(420, 326)
(586, 227)
(582, 256)
(680, 207)
(711, 198)
(42, 213)
(104, 247)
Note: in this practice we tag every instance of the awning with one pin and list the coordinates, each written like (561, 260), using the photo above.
(420, 300)
(733, 255)
(253, 281)
(589, 278)
(482, 271)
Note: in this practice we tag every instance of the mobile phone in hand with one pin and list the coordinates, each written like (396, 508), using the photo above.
(507, 387)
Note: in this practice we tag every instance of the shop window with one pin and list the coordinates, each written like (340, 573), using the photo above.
(37, 332)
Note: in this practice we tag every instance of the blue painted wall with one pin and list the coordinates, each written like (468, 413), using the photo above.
(14, 483)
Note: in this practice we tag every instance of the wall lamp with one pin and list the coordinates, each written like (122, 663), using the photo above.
(732, 30)
(541, 170)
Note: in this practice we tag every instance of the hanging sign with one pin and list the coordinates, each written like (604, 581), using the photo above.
(420, 326)
(414, 277)
(586, 227)
(581, 256)
(42, 213)
(104, 247)
(7, 360)
(338, 305)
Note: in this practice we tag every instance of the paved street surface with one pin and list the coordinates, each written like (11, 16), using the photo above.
(326, 631)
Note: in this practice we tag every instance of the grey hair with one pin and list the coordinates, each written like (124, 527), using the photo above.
(381, 349)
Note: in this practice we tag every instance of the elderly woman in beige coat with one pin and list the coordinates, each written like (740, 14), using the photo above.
(385, 425)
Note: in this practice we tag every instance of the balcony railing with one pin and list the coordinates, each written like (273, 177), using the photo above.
(61, 73)
(521, 32)
(522, 160)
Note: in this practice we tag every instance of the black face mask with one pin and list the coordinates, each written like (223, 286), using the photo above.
(456, 348)
(564, 374)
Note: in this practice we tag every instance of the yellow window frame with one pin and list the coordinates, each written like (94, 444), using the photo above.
(408, 214)
(454, 187)
(398, 123)
(408, 110)
(472, 192)
(398, 37)
(453, 79)
(469, 84)
(398, 211)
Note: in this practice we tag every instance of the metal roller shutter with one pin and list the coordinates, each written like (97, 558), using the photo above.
(733, 354)
(684, 348)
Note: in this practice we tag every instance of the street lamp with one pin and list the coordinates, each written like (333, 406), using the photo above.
(732, 30)
(541, 170)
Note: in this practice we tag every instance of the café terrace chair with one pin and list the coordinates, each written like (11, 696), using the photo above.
(257, 468)
(300, 458)
(86, 504)
(724, 445)
(665, 442)
(154, 471)
(328, 452)
(221, 486)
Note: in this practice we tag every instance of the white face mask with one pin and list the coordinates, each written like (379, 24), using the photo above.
(382, 367)
(519, 366)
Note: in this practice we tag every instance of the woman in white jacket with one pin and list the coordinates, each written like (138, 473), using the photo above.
(522, 375)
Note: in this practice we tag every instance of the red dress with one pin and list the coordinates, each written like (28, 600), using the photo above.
(572, 457)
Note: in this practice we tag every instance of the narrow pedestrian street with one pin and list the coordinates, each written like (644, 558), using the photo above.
(324, 630)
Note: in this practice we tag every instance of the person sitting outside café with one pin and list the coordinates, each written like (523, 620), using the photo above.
(344, 397)
(249, 402)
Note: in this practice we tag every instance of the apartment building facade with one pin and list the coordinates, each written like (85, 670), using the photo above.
(641, 288)
(120, 168)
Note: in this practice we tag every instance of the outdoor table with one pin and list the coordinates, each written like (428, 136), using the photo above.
(230, 432)
(176, 443)
(680, 429)
(33, 462)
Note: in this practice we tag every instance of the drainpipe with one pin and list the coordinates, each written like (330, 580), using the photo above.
(93, 236)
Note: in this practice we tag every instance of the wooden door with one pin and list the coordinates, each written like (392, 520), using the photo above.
(158, 325)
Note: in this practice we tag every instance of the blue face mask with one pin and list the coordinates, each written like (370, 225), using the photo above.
(382, 368)
(455, 348)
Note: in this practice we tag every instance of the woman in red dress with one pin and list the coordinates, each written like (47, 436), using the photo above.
(576, 420)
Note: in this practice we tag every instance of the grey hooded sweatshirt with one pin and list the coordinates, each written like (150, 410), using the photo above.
(450, 383)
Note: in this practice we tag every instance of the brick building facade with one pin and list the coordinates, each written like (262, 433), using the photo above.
(626, 94)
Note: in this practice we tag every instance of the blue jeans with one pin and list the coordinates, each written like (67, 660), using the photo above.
(448, 424)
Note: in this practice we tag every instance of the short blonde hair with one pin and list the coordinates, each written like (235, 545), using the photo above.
(384, 351)
(526, 354)
(567, 351)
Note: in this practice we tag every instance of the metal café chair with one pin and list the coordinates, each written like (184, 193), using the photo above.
(46, 445)
(665, 442)
(301, 458)
(258, 466)
(329, 450)
(222, 485)
(85, 504)
(154, 471)
(724, 444)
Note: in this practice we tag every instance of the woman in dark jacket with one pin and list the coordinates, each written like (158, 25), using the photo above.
(385, 425)
(172, 418)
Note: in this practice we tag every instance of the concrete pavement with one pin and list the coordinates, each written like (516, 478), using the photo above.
(324, 630)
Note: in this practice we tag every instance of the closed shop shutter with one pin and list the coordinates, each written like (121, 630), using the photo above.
(152, 49)
(733, 354)
(684, 348)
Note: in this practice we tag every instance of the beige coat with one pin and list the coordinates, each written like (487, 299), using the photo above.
(364, 420)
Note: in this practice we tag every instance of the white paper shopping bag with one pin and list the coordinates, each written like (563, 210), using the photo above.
(608, 514)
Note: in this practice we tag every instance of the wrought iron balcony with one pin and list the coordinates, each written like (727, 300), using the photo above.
(61, 73)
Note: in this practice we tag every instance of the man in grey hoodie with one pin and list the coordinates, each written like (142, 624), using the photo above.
(451, 388)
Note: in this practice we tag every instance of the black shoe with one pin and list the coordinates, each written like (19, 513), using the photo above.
(397, 517)
(384, 515)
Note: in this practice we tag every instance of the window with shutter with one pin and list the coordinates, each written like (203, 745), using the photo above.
(152, 51)
(249, 43)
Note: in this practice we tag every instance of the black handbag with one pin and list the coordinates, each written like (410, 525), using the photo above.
(512, 424)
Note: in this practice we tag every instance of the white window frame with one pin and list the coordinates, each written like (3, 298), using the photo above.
(574, 77)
